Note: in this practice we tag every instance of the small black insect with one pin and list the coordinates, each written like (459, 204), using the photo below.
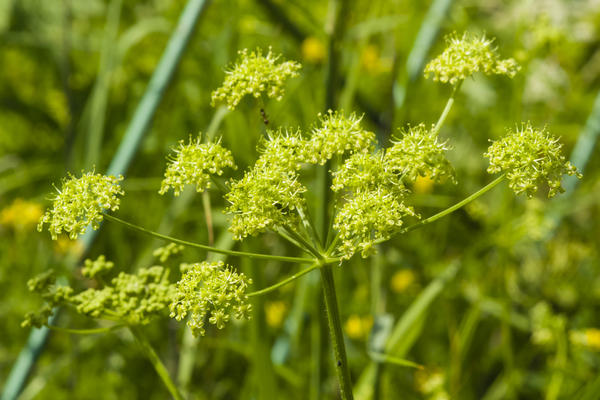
(264, 116)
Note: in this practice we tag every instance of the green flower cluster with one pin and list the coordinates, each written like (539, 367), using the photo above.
(283, 148)
(375, 186)
(163, 253)
(530, 157)
(420, 153)
(337, 134)
(366, 171)
(254, 74)
(210, 289)
(467, 55)
(130, 298)
(269, 195)
(51, 293)
(97, 267)
(369, 216)
(193, 164)
(266, 197)
(80, 202)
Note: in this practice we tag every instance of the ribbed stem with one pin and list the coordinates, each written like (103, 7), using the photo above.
(335, 329)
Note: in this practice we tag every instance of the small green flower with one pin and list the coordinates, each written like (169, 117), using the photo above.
(369, 216)
(131, 298)
(213, 290)
(254, 74)
(467, 55)
(264, 198)
(283, 148)
(54, 295)
(269, 195)
(419, 153)
(193, 164)
(80, 202)
(530, 157)
(337, 134)
(98, 267)
(163, 253)
(366, 172)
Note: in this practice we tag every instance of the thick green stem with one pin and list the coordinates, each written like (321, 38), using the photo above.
(297, 260)
(337, 337)
(283, 282)
(160, 368)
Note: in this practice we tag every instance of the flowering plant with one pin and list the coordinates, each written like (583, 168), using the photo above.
(369, 185)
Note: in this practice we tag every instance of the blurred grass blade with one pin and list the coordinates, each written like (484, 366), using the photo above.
(397, 343)
(128, 147)
(407, 329)
(380, 357)
(158, 83)
(586, 143)
(423, 42)
(591, 390)
(92, 130)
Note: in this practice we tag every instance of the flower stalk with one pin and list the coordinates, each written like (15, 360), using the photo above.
(336, 334)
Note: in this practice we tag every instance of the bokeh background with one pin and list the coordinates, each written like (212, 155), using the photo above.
(500, 300)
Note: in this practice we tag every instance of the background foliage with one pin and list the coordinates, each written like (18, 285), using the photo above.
(497, 301)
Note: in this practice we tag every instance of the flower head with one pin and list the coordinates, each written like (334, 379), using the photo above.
(466, 55)
(129, 298)
(284, 149)
(193, 164)
(337, 134)
(264, 198)
(45, 285)
(255, 74)
(365, 172)
(213, 290)
(80, 202)
(369, 216)
(92, 268)
(419, 153)
(530, 157)
(132, 298)
(269, 195)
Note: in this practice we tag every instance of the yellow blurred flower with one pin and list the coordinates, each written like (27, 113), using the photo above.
(371, 60)
(589, 337)
(63, 246)
(21, 214)
(274, 313)
(358, 327)
(592, 336)
(423, 185)
(431, 382)
(401, 280)
(313, 50)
